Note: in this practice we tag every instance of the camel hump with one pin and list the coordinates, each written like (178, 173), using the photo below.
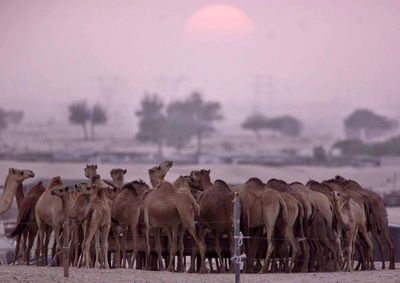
(312, 183)
(296, 183)
(23, 218)
(165, 187)
(255, 181)
(221, 186)
(278, 184)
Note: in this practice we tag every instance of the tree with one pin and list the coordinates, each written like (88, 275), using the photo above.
(285, 124)
(151, 122)
(256, 123)
(98, 117)
(364, 120)
(202, 116)
(79, 114)
(179, 128)
(14, 117)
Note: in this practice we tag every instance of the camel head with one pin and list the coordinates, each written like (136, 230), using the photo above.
(336, 196)
(19, 175)
(161, 170)
(194, 185)
(201, 176)
(55, 182)
(60, 191)
(117, 175)
(82, 187)
(90, 170)
(340, 179)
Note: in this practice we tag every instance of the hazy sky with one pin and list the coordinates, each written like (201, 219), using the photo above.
(317, 59)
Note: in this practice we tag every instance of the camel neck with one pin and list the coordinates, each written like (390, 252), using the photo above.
(206, 184)
(120, 184)
(155, 181)
(8, 193)
(337, 211)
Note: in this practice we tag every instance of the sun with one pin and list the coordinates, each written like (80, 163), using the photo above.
(218, 22)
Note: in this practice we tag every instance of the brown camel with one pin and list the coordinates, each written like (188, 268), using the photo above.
(262, 208)
(295, 220)
(157, 173)
(26, 223)
(98, 219)
(126, 211)
(216, 211)
(351, 221)
(49, 215)
(376, 217)
(117, 175)
(321, 230)
(168, 209)
(13, 183)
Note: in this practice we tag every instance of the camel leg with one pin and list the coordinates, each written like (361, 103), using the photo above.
(16, 250)
(97, 247)
(378, 239)
(370, 255)
(388, 237)
(117, 246)
(181, 267)
(173, 248)
(105, 230)
(270, 248)
(146, 237)
(57, 233)
(135, 236)
(220, 266)
(124, 233)
(191, 228)
(31, 238)
(294, 245)
(231, 250)
(75, 242)
(158, 247)
(87, 247)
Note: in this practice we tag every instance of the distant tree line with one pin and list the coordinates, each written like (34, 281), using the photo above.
(177, 123)
(80, 114)
(9, 117)
(286, 125)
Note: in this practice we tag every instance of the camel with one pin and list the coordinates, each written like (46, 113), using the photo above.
(126, 211)
(376, 216)
(49, 215)
(351, 221)
(157, 173)
(26, 224)
(321, 230)
(98, 219)
(13, 183)
(216, 211)
(166, 208)
(117, 175)
(263, 208)
(362, 202)
(295, 220)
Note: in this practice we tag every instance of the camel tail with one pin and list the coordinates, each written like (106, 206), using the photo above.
(20, 228)
(141, 216)
(283, 215)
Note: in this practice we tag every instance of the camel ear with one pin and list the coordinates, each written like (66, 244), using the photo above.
(208, 171)
(76, 186)
(125, 171)
(11, 170)
(95, 166)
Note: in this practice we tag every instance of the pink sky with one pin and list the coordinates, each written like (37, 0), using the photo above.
(325, 58)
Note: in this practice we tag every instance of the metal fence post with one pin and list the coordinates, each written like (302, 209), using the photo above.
(236, 214)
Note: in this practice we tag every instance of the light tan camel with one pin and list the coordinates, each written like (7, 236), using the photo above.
(351, 221)
(262, 208)
(126, 211)
(98, 218)
(13, 181)
(377, 217)
(157, 173)
(117, 175)
(365, 262)
(166, 208)
(26, 224)
(49, 214)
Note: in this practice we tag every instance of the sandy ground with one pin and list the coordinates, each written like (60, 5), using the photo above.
(55, 274)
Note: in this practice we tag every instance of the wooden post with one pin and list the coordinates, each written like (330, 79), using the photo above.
(236, 217)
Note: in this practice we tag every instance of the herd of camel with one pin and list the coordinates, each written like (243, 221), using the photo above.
(286, 227)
